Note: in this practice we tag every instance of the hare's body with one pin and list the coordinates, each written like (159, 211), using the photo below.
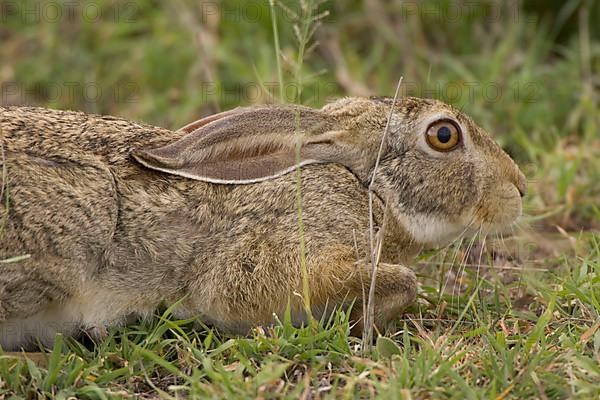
(105, 243)
(103, 219)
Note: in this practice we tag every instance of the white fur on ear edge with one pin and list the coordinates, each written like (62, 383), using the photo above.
(227, 181)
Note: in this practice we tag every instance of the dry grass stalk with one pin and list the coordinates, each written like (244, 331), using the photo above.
(375, 243)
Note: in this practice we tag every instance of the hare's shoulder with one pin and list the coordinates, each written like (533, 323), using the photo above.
(318, 185)
(331, 198)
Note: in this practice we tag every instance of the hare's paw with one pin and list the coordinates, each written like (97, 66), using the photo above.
(97, 333)
(395, 290)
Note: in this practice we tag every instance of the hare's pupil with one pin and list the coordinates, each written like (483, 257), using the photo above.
(444, 134)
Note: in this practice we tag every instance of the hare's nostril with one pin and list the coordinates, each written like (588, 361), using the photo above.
(521, 186)
(520, 183)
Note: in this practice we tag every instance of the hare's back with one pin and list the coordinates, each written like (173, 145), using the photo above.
(75, 135)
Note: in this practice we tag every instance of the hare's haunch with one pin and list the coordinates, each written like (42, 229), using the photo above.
(103, 219)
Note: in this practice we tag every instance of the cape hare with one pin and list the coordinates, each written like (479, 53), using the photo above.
(103, 219)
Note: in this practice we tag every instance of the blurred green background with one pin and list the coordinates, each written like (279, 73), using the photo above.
(528, 71)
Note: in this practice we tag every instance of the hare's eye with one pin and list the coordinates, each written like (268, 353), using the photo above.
(443, 135)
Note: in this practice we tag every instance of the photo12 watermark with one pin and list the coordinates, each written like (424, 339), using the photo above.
(465, 91)
(29, 333)
(325, 92)
(257, 11)
(90, 92)
(268, 92)
(68, 11)
(464, 11)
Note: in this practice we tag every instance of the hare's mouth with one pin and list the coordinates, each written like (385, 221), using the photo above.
(500, 209)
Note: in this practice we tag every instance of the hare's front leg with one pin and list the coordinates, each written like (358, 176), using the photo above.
(250, 289)
(395, 289)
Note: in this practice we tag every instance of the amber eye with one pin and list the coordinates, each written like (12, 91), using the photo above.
(443, 135)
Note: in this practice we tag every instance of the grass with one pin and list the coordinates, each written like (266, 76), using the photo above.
(536, 337)
(497, 317)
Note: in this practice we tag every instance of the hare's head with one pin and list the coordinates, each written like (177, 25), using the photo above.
(441, 174)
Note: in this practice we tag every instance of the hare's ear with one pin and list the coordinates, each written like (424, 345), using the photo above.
(192, 126)
(248, 145)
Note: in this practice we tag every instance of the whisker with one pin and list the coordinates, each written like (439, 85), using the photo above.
(471, 222)
(456, 250)
(424, 263)
(483, 244)
(520, 283)
(503, 242)
(442, 273)
(449, 273)
(446, 249)
(461, 268)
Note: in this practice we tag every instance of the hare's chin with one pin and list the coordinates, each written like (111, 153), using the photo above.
(434, 231)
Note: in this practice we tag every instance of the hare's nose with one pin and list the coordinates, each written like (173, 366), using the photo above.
(521, 183)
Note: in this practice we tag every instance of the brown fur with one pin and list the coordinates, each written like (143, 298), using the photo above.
(108, 238)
